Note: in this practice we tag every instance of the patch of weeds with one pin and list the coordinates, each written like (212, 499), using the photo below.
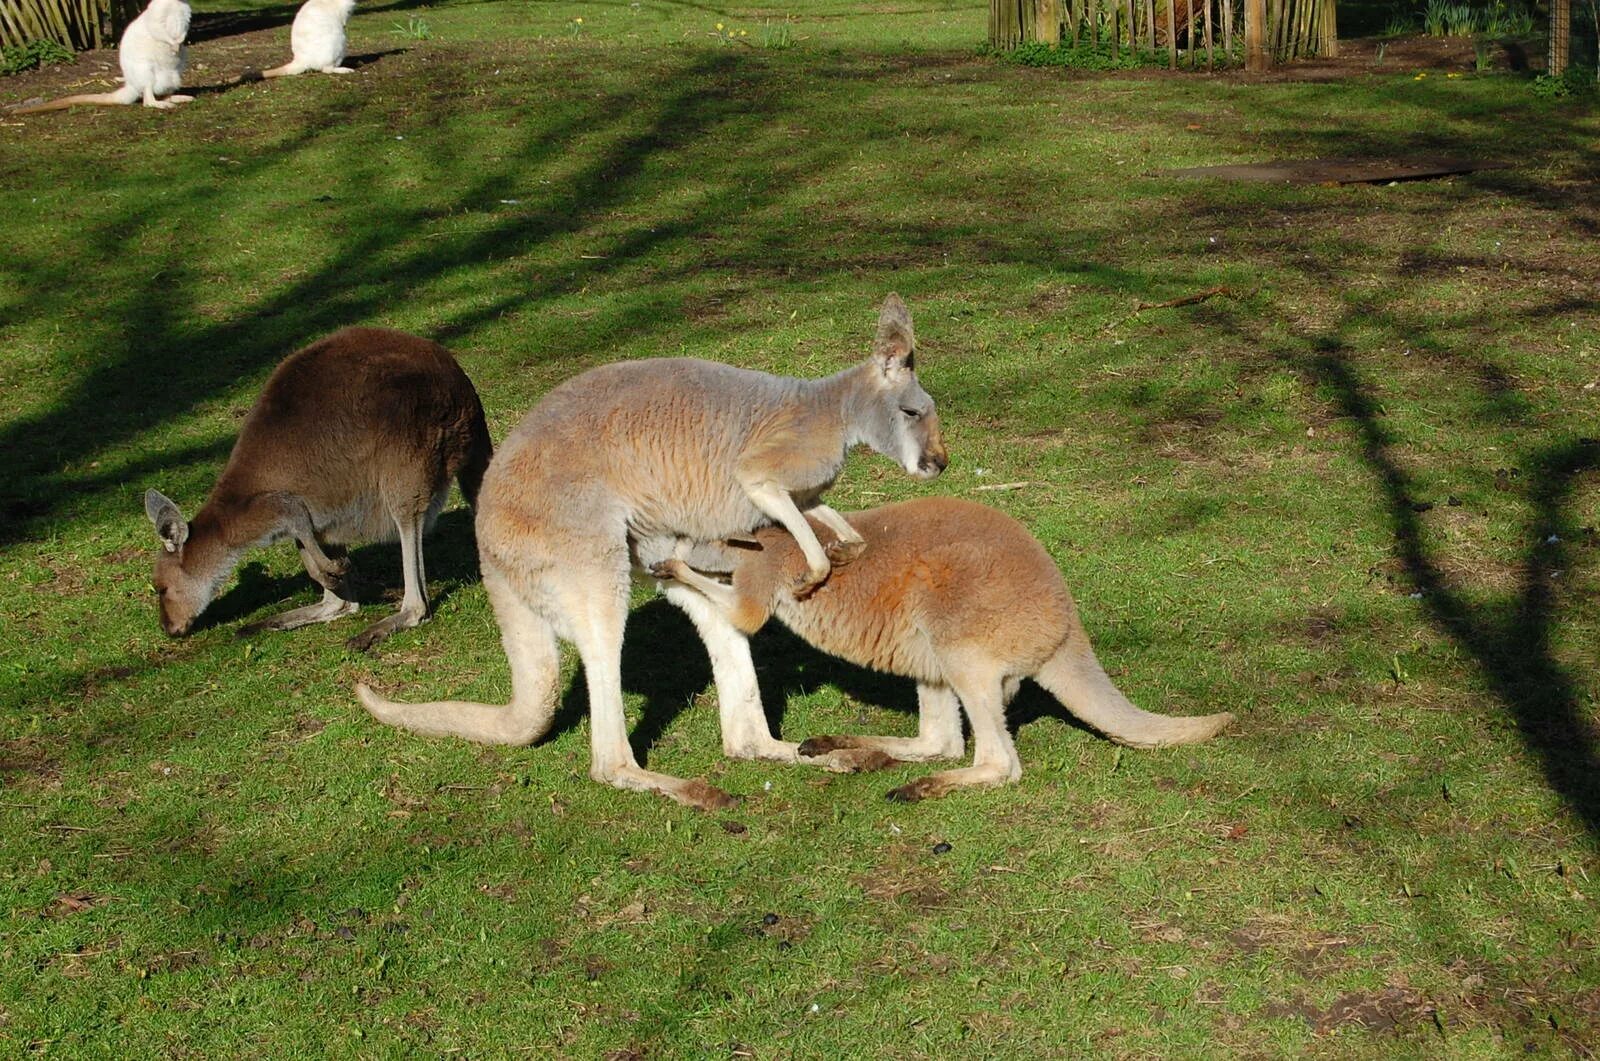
(1508, 20)
(777, 37)
(729, 34)
(20, 57)
(416, 28)
(1399, 26)
(1444, 19)
(1576, 83)
(1089, 55)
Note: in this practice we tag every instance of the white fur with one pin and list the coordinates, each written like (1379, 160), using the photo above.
(152, 57)
(317, 39)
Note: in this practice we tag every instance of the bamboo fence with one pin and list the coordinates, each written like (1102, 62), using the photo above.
(76, 24)
(1201, 30)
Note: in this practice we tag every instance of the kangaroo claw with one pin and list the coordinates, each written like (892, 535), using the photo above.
(841, 553)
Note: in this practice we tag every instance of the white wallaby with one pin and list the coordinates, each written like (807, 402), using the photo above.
(959, 597)
(152, 57)
(316, 40)
(631, 463)
(354, 438)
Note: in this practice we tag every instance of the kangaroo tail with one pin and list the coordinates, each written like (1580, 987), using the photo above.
(118, 97)
(470, 475)
(288, 69)
(530, 644)
(1074, 676)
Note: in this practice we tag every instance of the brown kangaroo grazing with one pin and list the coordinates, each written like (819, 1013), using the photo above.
(354, 438)
(959, 597)
(636, 461)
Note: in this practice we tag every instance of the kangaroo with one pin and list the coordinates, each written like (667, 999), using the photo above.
(610, 471)
(152, 57)
(316, 40)
(959, 597)
(355, 437)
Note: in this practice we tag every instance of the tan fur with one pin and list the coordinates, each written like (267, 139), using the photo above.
(959, 597)
(354, 438)
(636, 461)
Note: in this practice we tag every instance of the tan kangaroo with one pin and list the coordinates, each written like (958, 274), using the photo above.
(632, 462)
(354, 438)
(151, 54)
(959, 597)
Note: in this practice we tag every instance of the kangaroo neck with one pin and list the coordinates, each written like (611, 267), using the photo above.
(845, 397)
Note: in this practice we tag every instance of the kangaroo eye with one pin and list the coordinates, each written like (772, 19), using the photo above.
(911, 414)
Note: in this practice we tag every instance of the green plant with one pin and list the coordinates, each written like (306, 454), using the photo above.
(20, 57)
(416, 28)
(1508, 20)
(777, 36)
(1086, 56)
(1400, 26)
(1482, 54)
(1577, 81)
(1444, 19)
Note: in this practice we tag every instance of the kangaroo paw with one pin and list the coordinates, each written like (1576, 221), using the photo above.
(841, 553)
(667, 570)
(809, 583)
(702, 796)
(914, 791)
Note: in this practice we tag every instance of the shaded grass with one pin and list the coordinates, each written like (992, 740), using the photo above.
(1391, 855)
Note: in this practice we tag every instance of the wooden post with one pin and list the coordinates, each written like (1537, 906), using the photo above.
(1047, 22)
(1133, 30)
(1227, 29)
(1150, 25)
(1206, 10)
(1255, 53)
(1560, 37)
(1172, 34)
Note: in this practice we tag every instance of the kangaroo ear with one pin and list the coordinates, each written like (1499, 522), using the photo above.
(171, 527)
(895, 347)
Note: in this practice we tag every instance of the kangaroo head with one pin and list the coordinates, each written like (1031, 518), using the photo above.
(182, 595)
(901, 422)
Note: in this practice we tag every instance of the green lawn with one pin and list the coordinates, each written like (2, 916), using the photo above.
(1352, 499)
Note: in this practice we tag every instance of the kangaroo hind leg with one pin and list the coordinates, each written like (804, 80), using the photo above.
(994, 760)
(938, 737)
(414, 605)
(593, 603)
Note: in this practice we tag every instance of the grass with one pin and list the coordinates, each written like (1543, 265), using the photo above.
(1353, 501)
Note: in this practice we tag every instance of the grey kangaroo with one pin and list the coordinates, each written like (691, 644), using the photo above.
(633, 462)
(354, 438)
(959, 597)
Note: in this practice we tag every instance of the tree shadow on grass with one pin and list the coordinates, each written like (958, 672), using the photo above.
(1512, 642)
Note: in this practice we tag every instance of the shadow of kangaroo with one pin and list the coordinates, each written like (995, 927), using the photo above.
(633, 462)
(959, 597)
(354, 438)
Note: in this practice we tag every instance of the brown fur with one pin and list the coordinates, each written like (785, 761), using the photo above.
(635, 461)
(959, 597)
(354, 438)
